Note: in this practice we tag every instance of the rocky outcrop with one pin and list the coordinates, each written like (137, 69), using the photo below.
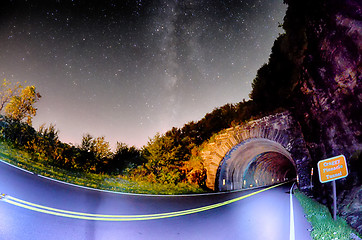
(328, 104)
(351, 208)
(328, 98)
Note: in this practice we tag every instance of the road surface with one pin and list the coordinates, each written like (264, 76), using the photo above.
(265, 215)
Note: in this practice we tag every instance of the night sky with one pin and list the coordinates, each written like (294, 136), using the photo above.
(128, 69)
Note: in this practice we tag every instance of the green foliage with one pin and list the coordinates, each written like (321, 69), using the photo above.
(41, 152)
(87, 143)
(125, 157)
(164, 159)
(174, 157)
(99, 146)
(93, 156)
(11, 154)
(49, 133)
(17, 132)
(324, 227)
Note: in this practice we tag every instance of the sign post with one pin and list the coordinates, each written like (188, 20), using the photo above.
(334, 200)
(311, 179)
(330, 170)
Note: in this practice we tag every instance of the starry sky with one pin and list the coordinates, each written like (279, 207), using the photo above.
(127, 69)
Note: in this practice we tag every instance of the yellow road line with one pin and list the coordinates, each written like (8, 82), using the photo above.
(102, 217)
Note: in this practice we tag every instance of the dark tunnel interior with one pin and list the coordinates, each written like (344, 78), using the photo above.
(268, 168)
(255, 163)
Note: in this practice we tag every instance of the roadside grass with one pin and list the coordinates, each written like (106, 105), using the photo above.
(24, 160)
(323, 225)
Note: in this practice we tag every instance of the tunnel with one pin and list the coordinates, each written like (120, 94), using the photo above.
(254, 163)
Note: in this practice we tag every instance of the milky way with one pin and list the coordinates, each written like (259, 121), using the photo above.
(128, 69)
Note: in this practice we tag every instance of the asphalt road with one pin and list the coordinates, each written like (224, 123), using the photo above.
(265, 215)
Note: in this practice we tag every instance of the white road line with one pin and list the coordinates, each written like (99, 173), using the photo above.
(140, 194)
(132, 194)
(108, 191)
(24, 170)
(291, 229)
(71, 184)
(93, 189)
(147, 195)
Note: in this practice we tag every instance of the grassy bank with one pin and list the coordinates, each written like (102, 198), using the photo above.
(324, 227)
(24, 160)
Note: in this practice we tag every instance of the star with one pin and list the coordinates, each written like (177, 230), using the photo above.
(142, 66)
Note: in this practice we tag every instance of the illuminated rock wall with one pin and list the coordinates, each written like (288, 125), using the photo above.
(328, 101)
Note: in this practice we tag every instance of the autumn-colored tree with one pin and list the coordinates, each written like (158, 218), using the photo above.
(7, 91)
(101, 148)
(21, 106)
(196, 172)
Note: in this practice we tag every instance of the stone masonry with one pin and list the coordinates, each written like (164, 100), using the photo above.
(280, 128)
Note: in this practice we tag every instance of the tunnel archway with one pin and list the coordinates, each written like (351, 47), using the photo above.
(232, 151)
(255, 162)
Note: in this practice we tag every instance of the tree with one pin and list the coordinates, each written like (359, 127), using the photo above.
(7, 91)
(101, 148)
(164, 158)
(17, 132)
(87, 143)
(95, 153)
(49, 133)
(125, 157)
(21, 106)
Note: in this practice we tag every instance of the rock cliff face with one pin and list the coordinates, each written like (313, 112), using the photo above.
(328, 100)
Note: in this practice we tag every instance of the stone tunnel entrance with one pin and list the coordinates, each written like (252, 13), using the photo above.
(252, 163)
(258, 153)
